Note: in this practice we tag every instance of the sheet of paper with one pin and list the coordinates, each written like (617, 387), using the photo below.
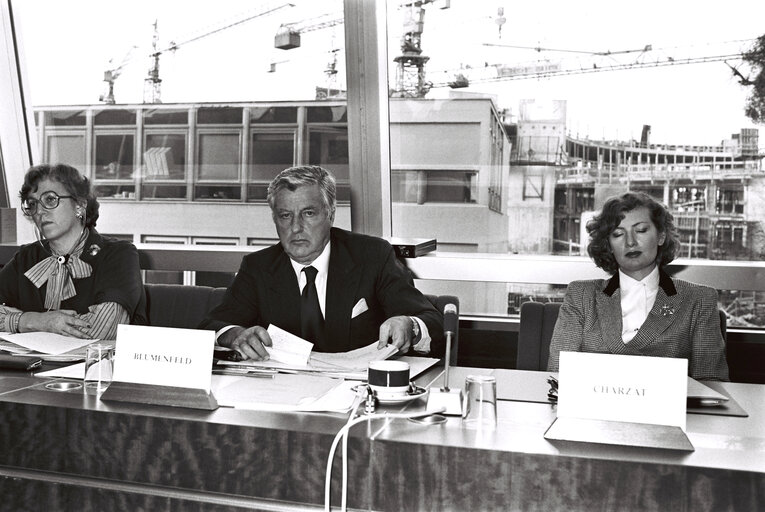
(46, 342)
(357, 360)
(699, 390)
(283, 393)
(288, 348)
(345, 365)
(73, 371)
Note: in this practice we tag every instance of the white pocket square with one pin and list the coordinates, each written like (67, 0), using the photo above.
(359, 308)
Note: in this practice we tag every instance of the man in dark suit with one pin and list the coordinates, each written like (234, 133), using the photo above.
(358, 293)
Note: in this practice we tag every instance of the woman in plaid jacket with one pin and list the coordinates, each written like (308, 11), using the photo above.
(640, 310)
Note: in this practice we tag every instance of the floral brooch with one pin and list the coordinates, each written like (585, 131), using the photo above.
(667, 310)
(93, 250)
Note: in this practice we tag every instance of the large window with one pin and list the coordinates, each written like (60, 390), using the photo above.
(508, 138)
(219, 165)
(269, 153)
(66, 148)
(500, 141)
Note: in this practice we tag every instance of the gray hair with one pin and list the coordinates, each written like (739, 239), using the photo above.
(295, 177)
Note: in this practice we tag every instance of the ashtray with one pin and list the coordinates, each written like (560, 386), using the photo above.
(63, 385)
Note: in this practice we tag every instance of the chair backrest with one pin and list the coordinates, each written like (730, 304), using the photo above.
(175, 305)
(440, 301)
(536, 330)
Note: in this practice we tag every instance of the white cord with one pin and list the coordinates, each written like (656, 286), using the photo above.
(343, 434)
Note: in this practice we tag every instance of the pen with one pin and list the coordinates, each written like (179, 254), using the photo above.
(265, 374)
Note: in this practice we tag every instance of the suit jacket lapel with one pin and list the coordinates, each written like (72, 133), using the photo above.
(284, 294)
(342, 283)
(609, 304)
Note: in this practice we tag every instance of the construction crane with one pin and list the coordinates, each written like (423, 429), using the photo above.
(592, 62)
(288, 35)
(152, 83)
(152, 91)
(410, 65)
(111, 75)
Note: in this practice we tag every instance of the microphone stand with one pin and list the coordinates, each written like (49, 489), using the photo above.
(447, 360)
(444, 400)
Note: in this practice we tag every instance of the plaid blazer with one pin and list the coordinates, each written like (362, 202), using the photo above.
(684, 322)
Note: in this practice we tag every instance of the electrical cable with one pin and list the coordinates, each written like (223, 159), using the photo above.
(343, 434)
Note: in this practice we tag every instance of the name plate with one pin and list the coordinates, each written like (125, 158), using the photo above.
(635, 389)
(164, 356)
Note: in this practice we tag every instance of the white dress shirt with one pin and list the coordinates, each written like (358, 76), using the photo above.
(637, 300)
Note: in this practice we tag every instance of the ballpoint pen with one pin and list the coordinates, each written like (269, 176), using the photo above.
(266, 374)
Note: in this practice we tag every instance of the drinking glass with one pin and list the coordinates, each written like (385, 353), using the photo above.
(99, 363)
(480, 402)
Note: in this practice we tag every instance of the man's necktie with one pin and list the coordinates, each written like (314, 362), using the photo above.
(311, 321)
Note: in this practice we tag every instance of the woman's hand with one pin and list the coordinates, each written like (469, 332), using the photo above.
(62, 321)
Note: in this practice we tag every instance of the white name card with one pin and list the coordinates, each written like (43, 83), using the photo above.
(164, 356)
(635, 389)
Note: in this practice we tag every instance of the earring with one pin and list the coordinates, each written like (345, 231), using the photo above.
(78, 214)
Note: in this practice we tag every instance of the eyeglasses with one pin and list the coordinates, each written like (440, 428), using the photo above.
(48, 200)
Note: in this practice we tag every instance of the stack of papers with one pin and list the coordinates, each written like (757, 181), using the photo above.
(292, 354)
(46, 345)
(348, 365)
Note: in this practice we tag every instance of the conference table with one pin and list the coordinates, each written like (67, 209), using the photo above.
(71, 451)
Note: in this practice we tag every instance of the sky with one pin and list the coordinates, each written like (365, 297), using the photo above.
(68, 48)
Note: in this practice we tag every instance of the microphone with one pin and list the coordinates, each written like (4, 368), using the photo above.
(450, 319)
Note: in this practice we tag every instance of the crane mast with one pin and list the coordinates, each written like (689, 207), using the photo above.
(410, 65)
(152, 84)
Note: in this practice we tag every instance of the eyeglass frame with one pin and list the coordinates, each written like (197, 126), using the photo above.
(38, 202)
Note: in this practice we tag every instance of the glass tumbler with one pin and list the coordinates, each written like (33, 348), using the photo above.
(480, 402)
(99, 363)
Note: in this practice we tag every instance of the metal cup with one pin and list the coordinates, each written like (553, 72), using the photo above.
(99, 364)
(480, 402)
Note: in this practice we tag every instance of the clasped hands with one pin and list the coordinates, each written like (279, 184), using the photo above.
(251, 342)
(61, 321)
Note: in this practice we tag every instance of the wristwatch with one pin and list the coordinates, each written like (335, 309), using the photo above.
(415, 329)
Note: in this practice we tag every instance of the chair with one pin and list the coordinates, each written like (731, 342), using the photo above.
(174, 305)
(536, 330)
(440, 301)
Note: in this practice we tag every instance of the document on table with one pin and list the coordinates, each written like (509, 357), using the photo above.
(287, 348)
(284, 393)
(50, 346)
(348, 365)
(357, 360)
(73, 371)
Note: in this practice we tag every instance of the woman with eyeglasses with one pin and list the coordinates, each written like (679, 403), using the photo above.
(72, 281)
(640, 310)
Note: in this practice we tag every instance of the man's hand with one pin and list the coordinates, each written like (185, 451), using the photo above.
(398, 331)
(250, 342)
(61, 321)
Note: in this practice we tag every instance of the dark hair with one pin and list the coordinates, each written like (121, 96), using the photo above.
(294, 177)
(602, 225)
(73, 181)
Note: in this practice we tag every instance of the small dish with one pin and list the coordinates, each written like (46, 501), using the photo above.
(414, 394)
(63, 385)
